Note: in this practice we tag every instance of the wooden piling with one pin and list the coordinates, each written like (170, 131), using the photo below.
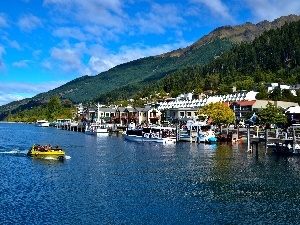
(248, 138)
(266, 139)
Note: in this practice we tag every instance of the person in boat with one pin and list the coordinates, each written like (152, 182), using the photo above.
(40, 148)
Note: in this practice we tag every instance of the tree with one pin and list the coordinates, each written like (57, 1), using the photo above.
(212, 82)
(288, 96)
(68, 103)
(198, 90)
(262, 92)
(54, 108)
(218, 112)
(297, 98)
(276, 94)
(271, 115)
(223, 89)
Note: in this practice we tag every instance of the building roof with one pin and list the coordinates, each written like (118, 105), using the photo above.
(107, 110)
(245, 103)
(241, 103)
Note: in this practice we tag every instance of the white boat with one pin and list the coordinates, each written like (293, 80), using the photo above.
(96, 128)
(42, 123)
(158, 134)
(198, 131)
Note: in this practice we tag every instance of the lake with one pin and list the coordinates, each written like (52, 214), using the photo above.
(107, 180)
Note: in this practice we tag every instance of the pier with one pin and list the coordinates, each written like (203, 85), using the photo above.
(77, 127)
(80, 127)
(281, 142)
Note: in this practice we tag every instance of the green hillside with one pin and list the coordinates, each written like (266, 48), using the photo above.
(272, 57)
(143, 70)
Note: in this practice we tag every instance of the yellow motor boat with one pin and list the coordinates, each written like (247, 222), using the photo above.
(44, 151)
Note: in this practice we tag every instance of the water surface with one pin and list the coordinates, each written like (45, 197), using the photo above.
(107, 180)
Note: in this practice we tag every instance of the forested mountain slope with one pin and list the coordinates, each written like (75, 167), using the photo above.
(272, 57)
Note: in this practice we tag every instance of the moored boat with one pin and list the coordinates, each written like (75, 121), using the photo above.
(96, 128)
(46, 151)
(198, 131)
(42, 123)
(165, 135)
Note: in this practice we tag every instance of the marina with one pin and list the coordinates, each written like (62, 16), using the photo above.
(107, 180)
(252, 136)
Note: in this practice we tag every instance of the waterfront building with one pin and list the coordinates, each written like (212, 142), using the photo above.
(241, 103)
(242, 108)
(183, 106)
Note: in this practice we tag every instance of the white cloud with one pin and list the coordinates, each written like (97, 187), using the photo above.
(15, 45)
(36, 54)
(273, 9)
(29, 22)
(159, 19)
(68, 58)
(7, 98)
(91, 20)
(21, 64)
(46, 63)
(106, 13)
(2, 52)
(100, 23)
(29, 88)
(70, 32)
(98, 64)
(19, 90)
(3, 20)
(217, 8)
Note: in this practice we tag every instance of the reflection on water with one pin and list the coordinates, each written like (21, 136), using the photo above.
(106, 180)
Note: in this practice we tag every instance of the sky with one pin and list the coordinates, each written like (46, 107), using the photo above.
(47, 43)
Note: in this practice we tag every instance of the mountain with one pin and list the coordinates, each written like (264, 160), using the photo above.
(272, 57)
(245, 32)
(147, 70)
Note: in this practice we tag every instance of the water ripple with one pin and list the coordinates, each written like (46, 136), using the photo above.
(106, 180)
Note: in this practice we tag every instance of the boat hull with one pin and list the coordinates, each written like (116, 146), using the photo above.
(42, 124)
(95, 129)
(188, 138)
(53, 153)
(148, 139)
(89, 132)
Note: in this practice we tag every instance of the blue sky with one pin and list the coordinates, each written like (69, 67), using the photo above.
(47, 43)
